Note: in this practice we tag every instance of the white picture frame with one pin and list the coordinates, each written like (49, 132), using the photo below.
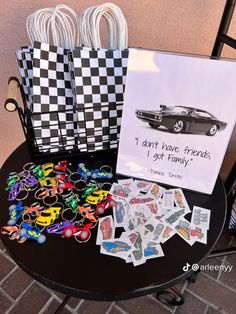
(198, 96)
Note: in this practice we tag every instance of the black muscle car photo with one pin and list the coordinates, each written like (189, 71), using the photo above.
(180, 119)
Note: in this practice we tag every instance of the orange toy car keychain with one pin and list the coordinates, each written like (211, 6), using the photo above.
(86, 212)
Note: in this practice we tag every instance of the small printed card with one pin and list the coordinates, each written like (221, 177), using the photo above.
(178, 116)
(106, 229)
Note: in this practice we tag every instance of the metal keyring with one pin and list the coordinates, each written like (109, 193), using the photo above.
(28, 174)
(23, 217)
(13, 173)
(74, 173)
(28, 164)
(37, 198)
(65, 210)
(67, 169)
(81, 188)
(60, 204)
(50, 197)
(95, 223)
(81, 241)
(23, 198)
(20, 225)
(108, 183)
(106, 166)
(41, 228)
(66, 195)
(79, 222)
(34, 188)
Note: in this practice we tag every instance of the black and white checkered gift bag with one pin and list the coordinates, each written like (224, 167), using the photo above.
(99, 77)
(53, 118)
(72, 78)
(24, 61)
(28, 61)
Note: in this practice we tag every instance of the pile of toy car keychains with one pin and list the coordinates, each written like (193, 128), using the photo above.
(70, 204)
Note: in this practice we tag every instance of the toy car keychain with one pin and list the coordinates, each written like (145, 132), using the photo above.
(15, 213)
(48, 181)
(108, 203)
(90, 188)
(64, 184)
(101, 173)
(28, 231)
(87, 212)
(83, 171)
(59, 227)
(105, 172)
(61, 167)
(32, 212)
(18, 192)
(48, 196)
(11, 180)
(72, 201)
(11, 231)
(29, 181)
(49, 215)
(80, 232)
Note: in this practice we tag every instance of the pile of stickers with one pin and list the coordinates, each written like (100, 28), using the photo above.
(150, 215)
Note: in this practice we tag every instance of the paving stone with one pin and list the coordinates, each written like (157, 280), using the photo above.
(229, 277)
(95, 307)
(209, 263)
(142, 305)
(73, 302)
(223, 241)
(180, 285)
(58, 294)
(6, 266)
(16, 283)
(233, 242)
(212, 310)
(1, 245)
(214, 292)
(9, 257)
(191, 305)
(116, 310)
(32, 301)
(54, 304)
(5, 304)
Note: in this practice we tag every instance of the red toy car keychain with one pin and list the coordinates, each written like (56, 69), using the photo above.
(109, 202)
(81, 233)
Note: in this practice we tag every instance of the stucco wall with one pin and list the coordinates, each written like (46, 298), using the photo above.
(184, 26)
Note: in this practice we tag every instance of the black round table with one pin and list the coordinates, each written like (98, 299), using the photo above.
(80, 270)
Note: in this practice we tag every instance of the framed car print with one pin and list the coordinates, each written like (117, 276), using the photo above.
(178, 116)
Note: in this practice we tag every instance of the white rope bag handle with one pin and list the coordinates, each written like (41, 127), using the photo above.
(65, 27)
(89, 26)
(38, 25)
(58, 26)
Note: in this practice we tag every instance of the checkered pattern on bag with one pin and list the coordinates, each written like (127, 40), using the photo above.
(24, 60)
(72, 76)
(23, 75)
(53, 99)
(99, 83)
(28, 59)
(99, 126)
